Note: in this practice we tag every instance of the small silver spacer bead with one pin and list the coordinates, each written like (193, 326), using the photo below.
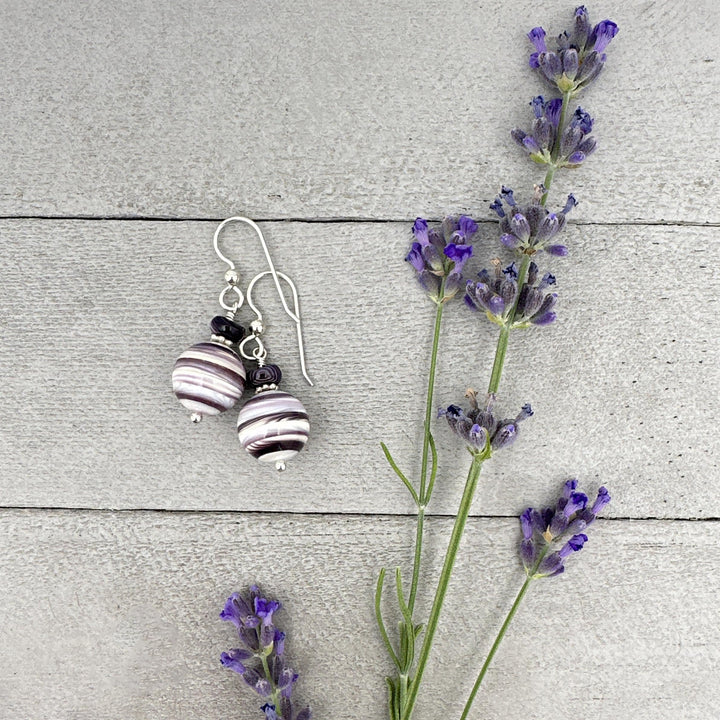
(263, 388)
(232, 277)
(221, 340)
(256, 326)
(196, 418)
(280, 466)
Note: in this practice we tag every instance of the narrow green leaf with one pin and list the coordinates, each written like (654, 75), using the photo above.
(399, 473)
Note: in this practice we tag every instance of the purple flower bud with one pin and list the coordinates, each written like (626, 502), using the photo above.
(304, 714)
(433, 257)
(233, 659)
(551, 565)
(574, 544)
(545, 319)
(528, 553)
(538, 106)
(577, 501)
(267, 636)
(507, 195)
(590, 68)
(420, 231)
(553, 110)
(582, 120)
(548, 228)
(259, 684)
(238, 612)
(603, 498)
(467, 227)
(478, 436)
(520, 227)
(526, 523)
(581, 31)
(459, 254)
(505, 435)
(269, 711)
(497, 206)
(602, 34)
(570, 62)
(569, 488)
(415, 258)
(537, 38)
(543, 134)
(509, 240)
(551, 65)
(265, 608)
(495, 305)
(570, 204)
(576, 158)
(518, 136)
(430, 283)
(511, 271)
(526, 411)
(530, 144)
(279, 642)
(587, 146)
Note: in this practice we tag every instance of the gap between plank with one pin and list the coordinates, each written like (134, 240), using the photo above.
(334, 220)
(286, 513)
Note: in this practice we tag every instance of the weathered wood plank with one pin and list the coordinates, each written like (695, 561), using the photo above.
(115, 615)
(95, 313)
(333, 109)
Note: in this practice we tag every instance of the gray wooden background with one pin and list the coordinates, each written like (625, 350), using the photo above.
(128, 131)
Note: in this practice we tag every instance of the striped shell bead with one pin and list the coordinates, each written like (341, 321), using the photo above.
(208, 378)
(273, 426)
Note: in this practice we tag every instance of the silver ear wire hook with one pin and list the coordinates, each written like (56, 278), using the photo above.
(295, 316)
(272, 270)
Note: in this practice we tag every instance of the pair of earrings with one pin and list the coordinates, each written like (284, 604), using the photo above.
(209, 378)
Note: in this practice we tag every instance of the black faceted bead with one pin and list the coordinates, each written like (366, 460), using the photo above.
(228, 329)
(265, 375)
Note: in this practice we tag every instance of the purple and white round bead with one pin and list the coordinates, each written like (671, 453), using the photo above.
(273, 426)
(208, 379)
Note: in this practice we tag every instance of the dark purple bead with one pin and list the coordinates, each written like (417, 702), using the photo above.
(265, 375)
(229, 329)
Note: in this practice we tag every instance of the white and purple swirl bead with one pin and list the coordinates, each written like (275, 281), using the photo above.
(208, 378)
(273, 426)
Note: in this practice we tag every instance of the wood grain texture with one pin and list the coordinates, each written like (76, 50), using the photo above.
(338, 109)
(115, 616)
(94, 314)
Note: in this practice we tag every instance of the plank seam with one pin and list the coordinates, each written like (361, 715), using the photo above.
(285, 513)
(338, 220)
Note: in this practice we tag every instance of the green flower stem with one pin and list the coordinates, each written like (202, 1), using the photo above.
(502, 342)
(450, 555)
(503, 630)
(549, 175)
(274, 700)
(425, 451)
(495, 646)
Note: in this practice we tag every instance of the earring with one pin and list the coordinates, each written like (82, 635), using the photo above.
(209, 377)
(273, 426)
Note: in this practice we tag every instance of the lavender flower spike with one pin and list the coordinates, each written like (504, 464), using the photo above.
(532, 227)
(579, 57)
(496, 295)
(575, 144)
(261, 663)
(439, 253)
(479, 428)
(541, 553)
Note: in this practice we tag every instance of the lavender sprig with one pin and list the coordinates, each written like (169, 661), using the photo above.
(541, 533)
(512, 299)
(261, 659)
